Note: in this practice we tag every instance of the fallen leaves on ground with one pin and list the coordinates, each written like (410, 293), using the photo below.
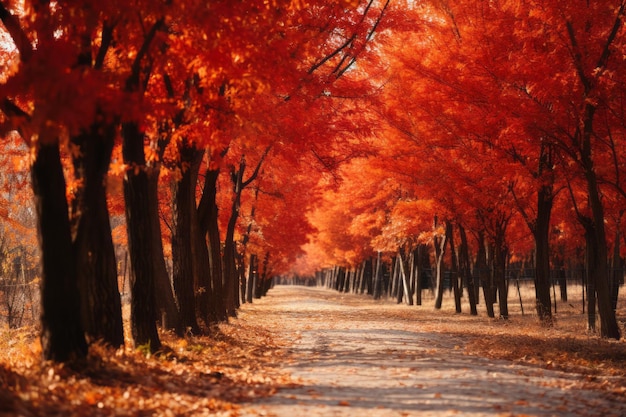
(241, 361)
(195, 376)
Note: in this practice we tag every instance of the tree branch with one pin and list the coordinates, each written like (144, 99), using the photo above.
(132, 83)
(244, 184)
(12, 24)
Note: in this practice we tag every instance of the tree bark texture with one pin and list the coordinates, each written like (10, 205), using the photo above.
(164, 293)
(62, 337)
(208, 218)
(466, 272)
(439, 243)
(484, 275)
(541, 234)
(101, 307)
(184, 204)
(140, 234)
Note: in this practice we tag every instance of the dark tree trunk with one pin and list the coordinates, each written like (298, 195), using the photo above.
(617, 273)
(500, 255)
(422, 271)
(466, 271)
(377, 278)
(202, 268)
(596, 233)
(366, 275)
(164, 293)
(455, 277)
(101, 307)
(241, 277)
(262, 282)
(485, 275)
(598, 268)
(541, 233)
(208, 218)
(405, 290)
(590, 262)
(231, 283)
(62, 337)
(140, 234)
(439, 243)
(251, 278)
(184, 205)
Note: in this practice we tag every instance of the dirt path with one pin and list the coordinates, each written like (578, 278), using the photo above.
(354, 357)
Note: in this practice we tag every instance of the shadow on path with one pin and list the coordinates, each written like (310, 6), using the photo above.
(359, 362)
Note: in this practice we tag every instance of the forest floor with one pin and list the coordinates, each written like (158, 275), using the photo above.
(312, 352)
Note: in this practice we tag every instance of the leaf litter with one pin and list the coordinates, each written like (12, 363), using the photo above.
(244, 361)
(195, 376)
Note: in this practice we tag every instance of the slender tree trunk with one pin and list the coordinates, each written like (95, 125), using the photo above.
(184, 205)
(251, 278)
(466, 271)
(617, 273)
(101, 307)
(164, 293)
(377, 278)
(231, 283)
(140, 231)
(485, 275)
(62, 337)
(406, 290)
(440, 250)
(202, 267)
(241, 277)
(598, 267)
(499, 269)
(208, 217)
(455, 277)
(583, 137)
(541, 233)
(590, 262)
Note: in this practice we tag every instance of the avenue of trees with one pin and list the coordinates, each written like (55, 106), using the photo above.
(501, 142)
(234, 141)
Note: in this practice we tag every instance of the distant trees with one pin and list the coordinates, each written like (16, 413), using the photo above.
(503, 116)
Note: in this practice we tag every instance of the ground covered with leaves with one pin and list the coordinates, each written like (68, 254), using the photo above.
(568, 345)
(195, 376)
(243, 361)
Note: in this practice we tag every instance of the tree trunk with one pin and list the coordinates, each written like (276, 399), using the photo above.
(62, 337)
(541, 233)
(202, 267)
(598, 270)
(208, 218)
(439, 243)
(466, 271)
(408, 296)
(377, 278)
(184, 204)
(164, 293)
(139, 230)
(485, 275)
(101, 307)
(590, 262)
(617, 273)
(231, 283)
(598, 267)
(455, 277)
(499, 268)
(251, 278)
